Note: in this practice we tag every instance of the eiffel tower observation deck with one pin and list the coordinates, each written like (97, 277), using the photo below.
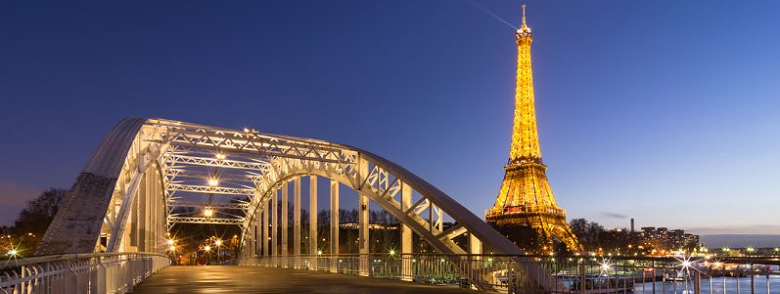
(525, 210)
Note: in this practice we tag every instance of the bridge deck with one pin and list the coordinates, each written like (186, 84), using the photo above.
(244, 279)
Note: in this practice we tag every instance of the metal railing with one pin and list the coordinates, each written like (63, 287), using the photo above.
(79, 273)
(546, 274)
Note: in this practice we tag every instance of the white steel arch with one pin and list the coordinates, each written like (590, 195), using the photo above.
(142, 163)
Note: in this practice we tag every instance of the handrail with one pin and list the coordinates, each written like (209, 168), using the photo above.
(549, 274)
(17, 262)
(116, 272)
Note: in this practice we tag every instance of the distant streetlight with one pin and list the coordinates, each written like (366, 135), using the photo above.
(221, 156)
(218, 243)
(605, 267)
(208, 212)
(213, 182)
(13, 252)
(207, 248)
(392, 252)
(169, 242)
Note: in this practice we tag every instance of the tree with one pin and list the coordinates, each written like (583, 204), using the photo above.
(39, 212)
(590, 234)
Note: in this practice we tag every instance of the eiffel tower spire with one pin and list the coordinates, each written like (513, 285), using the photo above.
(526, 199)
(525, 137)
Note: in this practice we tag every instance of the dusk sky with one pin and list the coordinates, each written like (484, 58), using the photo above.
(664, 111)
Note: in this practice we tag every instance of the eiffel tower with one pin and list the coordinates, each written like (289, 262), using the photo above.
(525, 200)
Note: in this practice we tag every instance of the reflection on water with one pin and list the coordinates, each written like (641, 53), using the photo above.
(715, 286)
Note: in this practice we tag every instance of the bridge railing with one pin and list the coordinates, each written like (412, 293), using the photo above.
(79, 273)
(560, 274)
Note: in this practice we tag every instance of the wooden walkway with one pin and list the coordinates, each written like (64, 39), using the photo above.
(246, 279)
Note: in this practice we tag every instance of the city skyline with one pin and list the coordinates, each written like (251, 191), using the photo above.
(673, 140)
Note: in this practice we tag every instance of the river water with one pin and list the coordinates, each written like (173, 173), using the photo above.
(762, 284)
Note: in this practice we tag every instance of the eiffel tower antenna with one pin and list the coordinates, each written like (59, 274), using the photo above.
(524, 24)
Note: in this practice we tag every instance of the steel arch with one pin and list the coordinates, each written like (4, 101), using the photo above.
(102, 199)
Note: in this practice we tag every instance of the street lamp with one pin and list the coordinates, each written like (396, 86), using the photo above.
(207, 248)
(218, 243)
(213, 182)
(208, 212)
(13, 252)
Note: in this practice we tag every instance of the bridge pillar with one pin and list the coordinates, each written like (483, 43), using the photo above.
(363, 236)
(475, 245)
(297, 223)
(334, 225)
(406, 235)
(313, 222)
(258, 232)
(265, 229)
(285, 223)
(250, 241)
(144, 216)
(363, 223)
(274, 226)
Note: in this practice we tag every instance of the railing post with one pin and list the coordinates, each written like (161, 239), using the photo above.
(101, 277)
(654, 275)
(583, 281)
(23, 274)
(736, 274)
(752, 279)
(130, 274)
(74, 276)
(697, 283)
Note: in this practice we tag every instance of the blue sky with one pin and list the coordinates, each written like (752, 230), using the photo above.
(664, 111)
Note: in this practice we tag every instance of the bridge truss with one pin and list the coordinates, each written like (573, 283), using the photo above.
(150, 174)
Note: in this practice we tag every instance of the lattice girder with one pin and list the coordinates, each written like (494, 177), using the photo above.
(169, 157)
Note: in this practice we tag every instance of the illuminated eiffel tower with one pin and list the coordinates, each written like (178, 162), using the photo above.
(525, 200)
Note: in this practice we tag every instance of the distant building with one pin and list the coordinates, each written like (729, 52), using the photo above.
(664, 240)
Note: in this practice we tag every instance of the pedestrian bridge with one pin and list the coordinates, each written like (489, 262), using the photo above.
(148, 175)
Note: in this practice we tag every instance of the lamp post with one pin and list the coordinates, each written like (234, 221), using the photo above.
(218, 243)
(207, 248)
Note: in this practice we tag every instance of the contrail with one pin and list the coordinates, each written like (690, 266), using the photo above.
(480, 7)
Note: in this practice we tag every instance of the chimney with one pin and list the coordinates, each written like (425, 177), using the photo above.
(632, 225)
